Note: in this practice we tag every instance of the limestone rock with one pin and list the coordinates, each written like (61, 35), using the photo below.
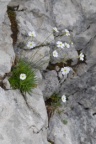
(25, 122)
(39, 57)
(51, 84)
(64, 55)
(18, 122)
(6, 49)
(79, 112)
(34, 18)
(66, 14)
(3, 8)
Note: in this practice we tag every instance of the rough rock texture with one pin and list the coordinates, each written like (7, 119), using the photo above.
(50, 84)
(3, 8)
(6, 50)
(39, 57)
(79, 112)
(24, 121)
(19, 118)
(64, 55)
(20, 123)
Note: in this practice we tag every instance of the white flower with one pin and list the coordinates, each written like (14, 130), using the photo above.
(81, 56)
(67, 45)
(32, 34)
(72, 43)
(31, 44)
(60, 44)
(63, 98)
(22, 76)
(65, 70)
(67, 32)
(55, 53)
(55, 29)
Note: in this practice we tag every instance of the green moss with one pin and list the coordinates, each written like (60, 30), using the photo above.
(54, 101)
(65, 122)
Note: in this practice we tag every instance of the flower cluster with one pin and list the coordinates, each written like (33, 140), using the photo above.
(23, 76)
(31, 44)
(60, 44)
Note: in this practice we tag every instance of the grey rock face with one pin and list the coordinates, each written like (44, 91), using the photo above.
(14, 108)
(25, 122)
(3, 8)
(6, 50)
(65, 12)
(51, 84)
(20, 123)
(89, 8)
(79, 111)
(34, 18)
(39, 57)
(64, 55)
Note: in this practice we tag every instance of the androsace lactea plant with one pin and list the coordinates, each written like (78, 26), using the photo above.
(23, 76)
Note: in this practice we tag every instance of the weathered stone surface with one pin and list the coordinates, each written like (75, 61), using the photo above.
(89, 8)
(28, 125)
(5, 63)
(34, 18)
(39, 57)
(50, 83)
(20, 123)
(79, 111)
(6, 84)
(66, 14)
(3, 8)
(65, 55)
(6, 49)
(58, 132)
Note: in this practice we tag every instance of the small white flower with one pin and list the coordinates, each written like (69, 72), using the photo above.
(81, 56)
(65, 70)
(32, 34)
(72, 43)
(67, 45)
(22, 76)
(60, 44)
(55, 53)
(55, 29)
(67, 32)
(31, 44)
(63, 98)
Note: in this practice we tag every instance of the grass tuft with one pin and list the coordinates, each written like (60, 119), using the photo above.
(26, 85)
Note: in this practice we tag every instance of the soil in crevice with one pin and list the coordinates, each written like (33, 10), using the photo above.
(14, 26)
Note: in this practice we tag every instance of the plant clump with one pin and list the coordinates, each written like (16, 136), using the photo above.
(23, 77)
